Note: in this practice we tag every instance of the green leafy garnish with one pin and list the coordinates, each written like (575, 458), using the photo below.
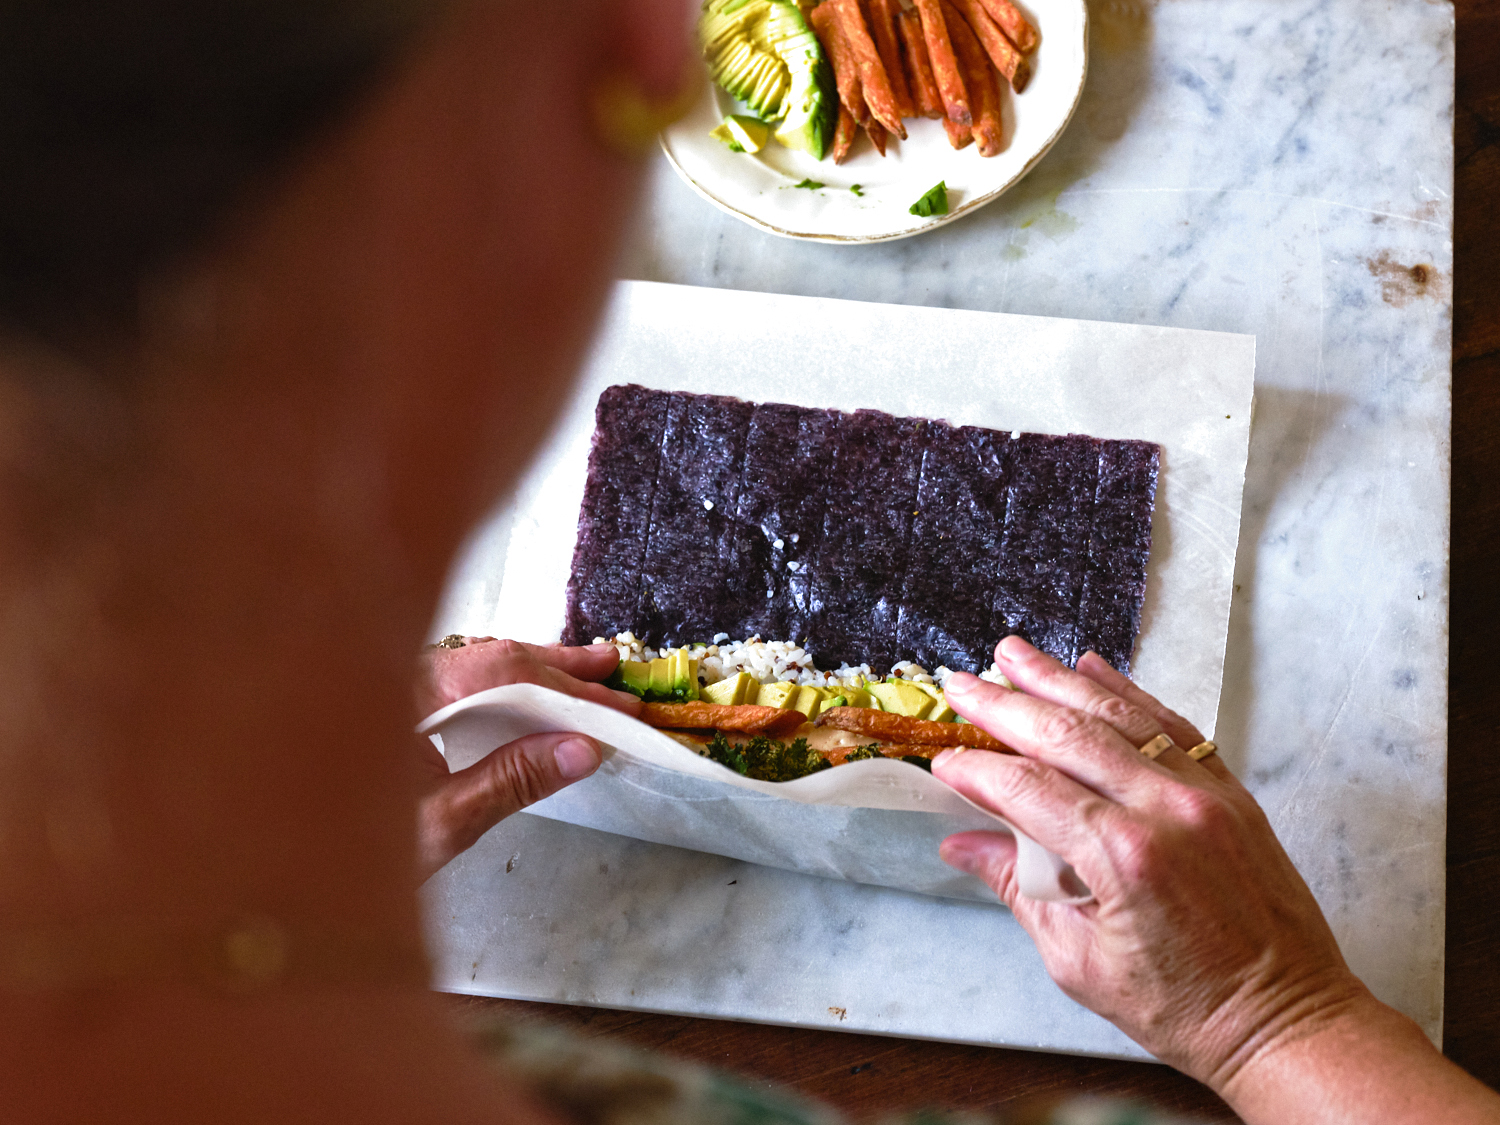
(856, 189)
(935, 202)
(765, 759)
(812, 185)
(864, 753)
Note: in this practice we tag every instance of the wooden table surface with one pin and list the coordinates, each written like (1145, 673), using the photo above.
(866, 1074)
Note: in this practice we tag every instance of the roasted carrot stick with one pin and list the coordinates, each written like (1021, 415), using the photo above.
(826, 27)
(1018, 29)
(1008, 61)
(959, 136)
(929, 102)
(883, 27)
(877, 135)
(873, 79)
(945, 68)
(979, 79)
(843, 136)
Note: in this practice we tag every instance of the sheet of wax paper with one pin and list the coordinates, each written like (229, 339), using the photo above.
(870, 822)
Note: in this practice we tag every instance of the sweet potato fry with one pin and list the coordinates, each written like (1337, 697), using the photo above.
(877, 135)
(1018, 29)
(1008, 61)
(826, 27)
(979, 78)
(843, 136)
(746, 718)
(945, 67)
(924, 91)
(883, 27)
(873, 79)
(884, 726)
(959, 136)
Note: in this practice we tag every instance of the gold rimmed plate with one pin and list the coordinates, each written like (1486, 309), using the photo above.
(868, 197)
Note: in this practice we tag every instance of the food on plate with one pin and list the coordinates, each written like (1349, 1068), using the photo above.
(825, 68)
(1008, 60)
(929, 103)
(742, 133)
(888, 43)
(934, 200)
(945, 67)
(868, 538)
(979, 80)
(763, 54)
(873, 80)
(1016, 26)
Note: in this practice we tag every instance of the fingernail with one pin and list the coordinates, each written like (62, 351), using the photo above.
(606, 647)
(947, 756)
(627, 117)
(576, 758)
(1013, 648)
(956, 855)
(960, 683)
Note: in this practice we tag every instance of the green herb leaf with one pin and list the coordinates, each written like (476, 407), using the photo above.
(855, 188)
(810, 184)
(935, 202)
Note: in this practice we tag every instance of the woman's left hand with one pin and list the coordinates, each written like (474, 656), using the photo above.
(460, 807)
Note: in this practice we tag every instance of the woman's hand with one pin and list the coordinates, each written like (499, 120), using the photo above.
(1204, 944)
(461, 807)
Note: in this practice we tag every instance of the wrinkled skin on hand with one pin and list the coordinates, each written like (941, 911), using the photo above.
(459, 808)
(1203, 943)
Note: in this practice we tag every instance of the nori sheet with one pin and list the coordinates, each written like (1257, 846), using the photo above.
(697, 492)
(947, 599)
(1045, 549)
(861, 562)
(779, 522)
(604, 589)
(1114, 587)
(900, 539)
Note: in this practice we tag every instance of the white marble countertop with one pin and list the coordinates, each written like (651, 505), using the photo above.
(1275, 167)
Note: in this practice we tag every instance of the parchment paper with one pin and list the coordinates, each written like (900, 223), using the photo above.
(1190, 391)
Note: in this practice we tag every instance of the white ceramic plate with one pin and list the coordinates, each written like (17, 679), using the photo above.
(759, 189)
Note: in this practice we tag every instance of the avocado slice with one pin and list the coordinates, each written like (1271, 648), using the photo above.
(728, 693)
(780, 694)
(742, 134)
(660, 684)
(903, 699)
(633, 676)
(808, 700)
(941, 713)
(763, 54)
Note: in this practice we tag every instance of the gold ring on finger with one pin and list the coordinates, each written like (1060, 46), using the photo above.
(1203, 750)
(1157, 747)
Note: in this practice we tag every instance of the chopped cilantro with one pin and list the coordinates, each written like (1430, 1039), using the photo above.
(935, 202)
(863, 753)
(856, 189)
(812, 185)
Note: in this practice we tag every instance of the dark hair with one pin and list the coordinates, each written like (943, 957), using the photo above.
(129, 127)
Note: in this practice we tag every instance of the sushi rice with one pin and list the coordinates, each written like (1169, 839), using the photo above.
(770, 662)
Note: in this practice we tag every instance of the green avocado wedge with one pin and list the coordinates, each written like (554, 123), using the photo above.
(763, 54)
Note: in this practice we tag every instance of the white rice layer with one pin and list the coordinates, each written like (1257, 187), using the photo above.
(771, 662)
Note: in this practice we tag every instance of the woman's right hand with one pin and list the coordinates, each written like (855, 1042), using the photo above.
(1204, 944)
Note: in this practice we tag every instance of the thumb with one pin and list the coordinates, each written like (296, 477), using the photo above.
(989, 857)
(467, 804)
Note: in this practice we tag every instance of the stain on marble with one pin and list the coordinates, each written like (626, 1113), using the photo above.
(1400, 284)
